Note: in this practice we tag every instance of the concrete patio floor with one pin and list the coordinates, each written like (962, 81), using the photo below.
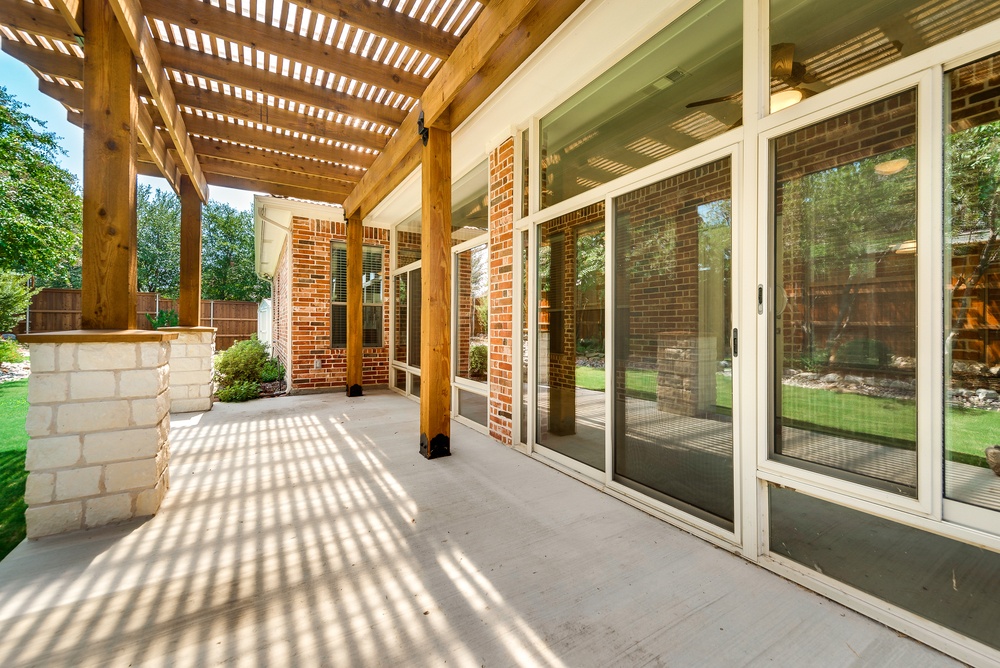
(308, 531)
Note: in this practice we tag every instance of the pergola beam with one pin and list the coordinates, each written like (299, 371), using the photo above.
(53, 63)
(237, 74)
(72, 13)
(386, 22)
(271, 175)
(343, 176)
(255, 112)
(278, 189)
(249, 32)
(36, 19)
(277, 141)
(133, 23)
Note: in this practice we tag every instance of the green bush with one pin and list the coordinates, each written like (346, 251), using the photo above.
(9, 352)
(273, 371)
(168, 318)
(478, 360)
(870, 353)
(241, 369)
(813, 361)
(243, 362)
(241, 390)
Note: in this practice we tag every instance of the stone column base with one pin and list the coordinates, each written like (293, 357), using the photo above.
(191, 356)
(98, 428)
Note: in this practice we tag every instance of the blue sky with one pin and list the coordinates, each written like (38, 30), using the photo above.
(23, 85)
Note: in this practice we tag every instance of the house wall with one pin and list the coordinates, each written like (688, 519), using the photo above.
(313, 365)
(501, 292)
(281, 309)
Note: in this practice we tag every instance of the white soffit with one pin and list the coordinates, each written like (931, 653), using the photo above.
(596, 37)
(272, 222)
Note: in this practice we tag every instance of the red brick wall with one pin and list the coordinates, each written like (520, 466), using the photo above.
(314, 364)
(501, 268)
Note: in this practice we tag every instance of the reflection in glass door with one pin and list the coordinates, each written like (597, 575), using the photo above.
(845, 224)
(673, 376)
(972, 412)
(570, 366)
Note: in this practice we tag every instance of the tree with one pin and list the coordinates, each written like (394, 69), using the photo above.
(159, 241)
(228, 255)
(15, 298)
(40, 206)
(974, 190)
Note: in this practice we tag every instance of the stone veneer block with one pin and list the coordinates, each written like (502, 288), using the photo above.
(191, 355)
(99, 425)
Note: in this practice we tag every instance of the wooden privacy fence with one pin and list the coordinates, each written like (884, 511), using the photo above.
(56, 310)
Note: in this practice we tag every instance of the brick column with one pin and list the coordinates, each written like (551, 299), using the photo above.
(98, 428)
(502, 348)
(191, 355)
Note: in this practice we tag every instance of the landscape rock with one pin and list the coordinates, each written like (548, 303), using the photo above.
(831, 378)
(993, 458)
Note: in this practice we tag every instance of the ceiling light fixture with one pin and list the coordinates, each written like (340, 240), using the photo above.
(890, 167)
(784, 99)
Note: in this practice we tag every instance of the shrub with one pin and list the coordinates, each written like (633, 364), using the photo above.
(870, 353)
(272, 371)
(241, 390)
(477, 361)
(168, 318)
(15, 298)
(9, 352)
(243, 362)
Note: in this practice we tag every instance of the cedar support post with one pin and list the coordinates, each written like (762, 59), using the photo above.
(110, 112)
(355, 314)
(189, 304)
(435, 320)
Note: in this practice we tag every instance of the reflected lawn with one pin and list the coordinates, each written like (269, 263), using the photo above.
(868, 418)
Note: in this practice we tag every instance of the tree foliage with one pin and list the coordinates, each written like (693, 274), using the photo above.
(228, 255)
(40, 206)
(158, 245)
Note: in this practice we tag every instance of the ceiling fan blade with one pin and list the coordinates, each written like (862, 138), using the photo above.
(714, 100)
(782, 60)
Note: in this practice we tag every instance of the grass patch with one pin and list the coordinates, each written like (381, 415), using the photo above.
(882, 420)
(13, 444)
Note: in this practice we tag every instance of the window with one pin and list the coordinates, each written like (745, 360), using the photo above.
(680, 88)
(818, 44)
(371, 296)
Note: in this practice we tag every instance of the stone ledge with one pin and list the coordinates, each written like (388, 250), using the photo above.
(99, 336)
(188, 329)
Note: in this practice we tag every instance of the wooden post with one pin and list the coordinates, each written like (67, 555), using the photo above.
(355, 314)
(435, 316)
(189, 302)
(110, 111)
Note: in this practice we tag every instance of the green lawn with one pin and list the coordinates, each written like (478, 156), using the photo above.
(891, 421)
(13, 441)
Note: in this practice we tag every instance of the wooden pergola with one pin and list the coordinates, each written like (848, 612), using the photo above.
(316, 99)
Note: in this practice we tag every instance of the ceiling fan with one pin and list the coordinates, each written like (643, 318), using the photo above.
(785, 68)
